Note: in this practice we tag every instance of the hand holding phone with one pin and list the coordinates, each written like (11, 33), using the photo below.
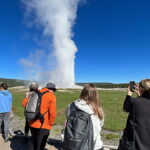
(132, 86)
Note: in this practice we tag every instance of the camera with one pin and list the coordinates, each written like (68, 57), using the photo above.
(132, 86)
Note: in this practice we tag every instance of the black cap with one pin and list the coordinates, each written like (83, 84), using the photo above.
(51, 86)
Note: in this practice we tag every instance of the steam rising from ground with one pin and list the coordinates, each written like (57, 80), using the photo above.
(56, 17)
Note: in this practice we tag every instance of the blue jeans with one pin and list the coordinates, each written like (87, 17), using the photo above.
(5, 119)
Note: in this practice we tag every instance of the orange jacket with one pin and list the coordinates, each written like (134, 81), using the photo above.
(48, 103)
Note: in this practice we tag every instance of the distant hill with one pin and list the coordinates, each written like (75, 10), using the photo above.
(14, 82)
(17, 82)
(108, 85)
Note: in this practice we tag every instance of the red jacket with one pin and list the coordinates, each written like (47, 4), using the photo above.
(48, 103)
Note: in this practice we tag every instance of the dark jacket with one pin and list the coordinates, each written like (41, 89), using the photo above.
(138, 122)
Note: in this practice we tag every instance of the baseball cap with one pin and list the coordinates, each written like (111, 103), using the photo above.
(51, 86)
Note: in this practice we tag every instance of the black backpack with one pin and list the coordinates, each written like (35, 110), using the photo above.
(32, 109)
(79, 131)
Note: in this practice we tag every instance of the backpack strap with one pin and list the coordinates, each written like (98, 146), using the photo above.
(72, 108)
(42, 118)
(45, 92)
(42, 115)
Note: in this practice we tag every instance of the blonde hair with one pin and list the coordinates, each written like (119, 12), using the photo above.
(90, 95)
(145, 85)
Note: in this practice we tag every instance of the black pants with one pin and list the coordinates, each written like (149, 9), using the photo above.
(26, 128)
(39, 138)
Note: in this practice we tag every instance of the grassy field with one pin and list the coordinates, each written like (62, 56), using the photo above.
(112, 102)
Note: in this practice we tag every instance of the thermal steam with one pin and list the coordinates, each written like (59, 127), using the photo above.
(56, 17)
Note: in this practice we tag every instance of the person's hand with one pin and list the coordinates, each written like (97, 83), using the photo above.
(136, 90)
(11, 114)
(28, 94)
(129, 91)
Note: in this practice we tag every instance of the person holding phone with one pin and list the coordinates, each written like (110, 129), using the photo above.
(136, 134)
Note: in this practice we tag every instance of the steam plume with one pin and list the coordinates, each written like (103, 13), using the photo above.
(56, 17)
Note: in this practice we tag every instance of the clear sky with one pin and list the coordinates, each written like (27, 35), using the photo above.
(112, 36)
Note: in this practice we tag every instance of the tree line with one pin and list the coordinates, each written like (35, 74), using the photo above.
(14, 82)
(108, 85)
(17, 82)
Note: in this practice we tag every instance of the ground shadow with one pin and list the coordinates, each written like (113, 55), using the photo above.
(56, 143)
(21, 142)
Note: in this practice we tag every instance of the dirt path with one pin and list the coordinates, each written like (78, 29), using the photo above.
(18, 124)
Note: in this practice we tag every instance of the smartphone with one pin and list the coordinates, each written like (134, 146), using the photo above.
(132, 86)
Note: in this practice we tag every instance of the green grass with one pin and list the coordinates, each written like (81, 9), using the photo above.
(17, 99)
(110, 136)
(112, 102)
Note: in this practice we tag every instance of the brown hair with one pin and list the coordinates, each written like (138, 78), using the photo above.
(90, 95)
(145, 86)
(4, 86)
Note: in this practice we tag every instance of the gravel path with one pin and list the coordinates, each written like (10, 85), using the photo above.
(18, 124)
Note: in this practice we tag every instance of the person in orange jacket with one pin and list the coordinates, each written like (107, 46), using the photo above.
(40, 131)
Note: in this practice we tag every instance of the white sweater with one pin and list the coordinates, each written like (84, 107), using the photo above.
(97, 123)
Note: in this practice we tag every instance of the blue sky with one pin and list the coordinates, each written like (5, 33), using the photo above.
(112, 36)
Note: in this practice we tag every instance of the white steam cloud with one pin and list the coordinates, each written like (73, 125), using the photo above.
(57, 18)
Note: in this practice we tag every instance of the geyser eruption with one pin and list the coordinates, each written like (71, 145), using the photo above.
(56, 17)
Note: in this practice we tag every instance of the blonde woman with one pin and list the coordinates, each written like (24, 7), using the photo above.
(137, 132)
(89, 102)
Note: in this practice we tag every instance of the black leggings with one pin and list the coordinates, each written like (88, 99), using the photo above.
(39, 138)
(26, 128)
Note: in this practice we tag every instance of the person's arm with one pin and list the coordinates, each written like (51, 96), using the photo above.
(24, 102)
(11, 110)
(129, 99)
(11, 114)
(52, 109)
(127, 106)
